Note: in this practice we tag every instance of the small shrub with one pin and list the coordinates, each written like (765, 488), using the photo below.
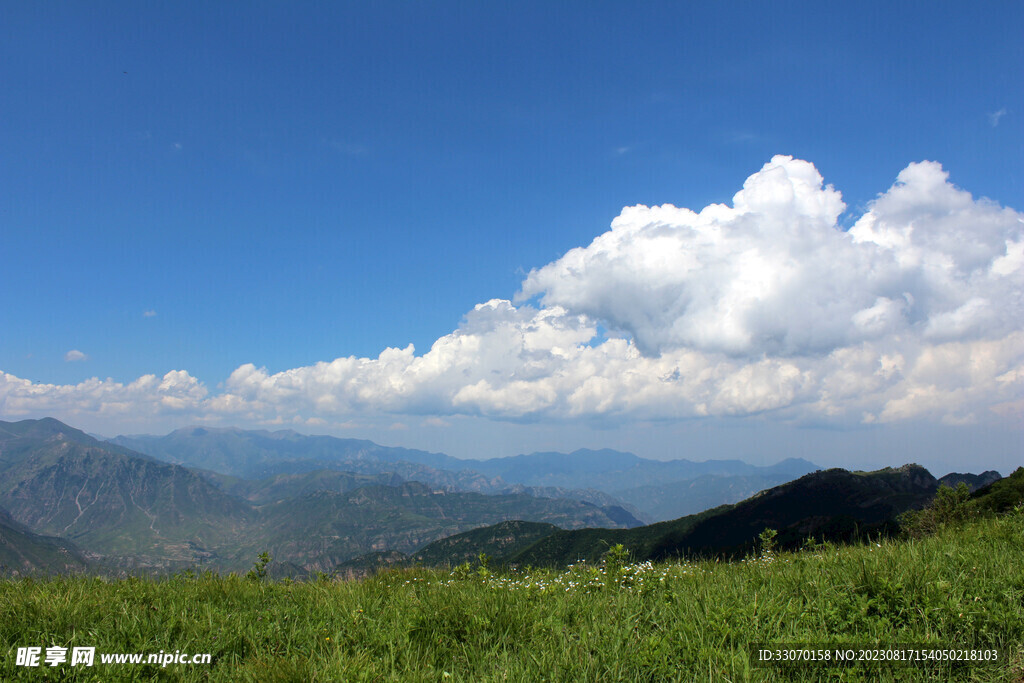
(259, 567)
(483, 572)
(766, 539)
(615, 559)
(950, 506)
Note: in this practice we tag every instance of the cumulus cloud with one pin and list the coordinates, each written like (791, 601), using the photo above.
(765, 306)
(75, 355)
(176, 392)
(774, 274)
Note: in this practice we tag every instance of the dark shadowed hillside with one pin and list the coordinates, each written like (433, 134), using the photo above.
(498, 540)
(833, 504)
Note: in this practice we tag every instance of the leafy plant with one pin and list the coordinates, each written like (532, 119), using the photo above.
(259, 567)
(614, 560)
(484, 570)
(766, 540)
(948, 507)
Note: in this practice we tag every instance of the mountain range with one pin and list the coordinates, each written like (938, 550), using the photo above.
(126, 510)
(651, 490)
(217, 498)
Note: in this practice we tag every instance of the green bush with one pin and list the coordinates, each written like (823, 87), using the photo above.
(950, 506)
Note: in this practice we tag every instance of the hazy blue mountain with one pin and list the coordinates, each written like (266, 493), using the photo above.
(973, 481)
(613, 471)
(257, 454)
(690, 496)
(285, 486)
(595, 476)
(537, 469)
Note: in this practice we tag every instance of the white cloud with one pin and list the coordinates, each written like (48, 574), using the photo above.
(995, 116)
(764, 307)
(775, 274)
(149, 314)
(75, 355)
(176, 392)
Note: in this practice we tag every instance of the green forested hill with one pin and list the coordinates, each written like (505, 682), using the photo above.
(832, 504)
(498, 540)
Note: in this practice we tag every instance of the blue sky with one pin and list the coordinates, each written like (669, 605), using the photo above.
(194, 187)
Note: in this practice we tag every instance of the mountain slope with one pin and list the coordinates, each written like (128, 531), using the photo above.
(23, 552)
(498, 540)
(323, 529)
(1001, 495)
(833, 504)
(283, 486)
(258, 454)
(59, 481)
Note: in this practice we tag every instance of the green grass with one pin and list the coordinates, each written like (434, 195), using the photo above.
(963, 587)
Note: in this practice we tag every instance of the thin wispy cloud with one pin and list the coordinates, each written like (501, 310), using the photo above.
(737, 137)
(996, 116)
(346, 148)
(149, 314)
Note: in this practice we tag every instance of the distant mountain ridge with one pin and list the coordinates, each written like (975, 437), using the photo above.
(257, 454)
(973, 481)
(604, 477)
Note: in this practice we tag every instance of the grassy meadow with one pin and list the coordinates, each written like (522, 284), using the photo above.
(960, 587)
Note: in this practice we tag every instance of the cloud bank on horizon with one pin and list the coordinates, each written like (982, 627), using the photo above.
(768, 306)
